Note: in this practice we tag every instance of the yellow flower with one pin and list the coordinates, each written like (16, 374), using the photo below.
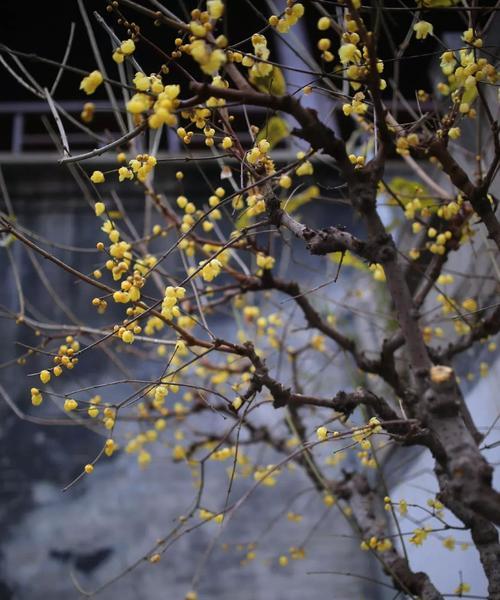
(306, 168)
(215, 8)
(197, 29)
(322, 433)
(348, 53)
(118, 57)
(209, 60)
(285, 181)
(70, 405)
(328, 500)
(210, 269)
(88, 469)
(178, 453)
(468, 35)
(99, 208)
(138, 103)
(128, 337)
(141, 82)
(265, 262)
(419, 535)
(470, 305)
(127, 47)
(448, 62)
(423, 29)
(449, 543)
(45, 376)
(36, 397)
(97, 177)
(463, 588)
(124, 173)
(454, 133)
(403, 507)
(144, 458)
(323, 23)
(90, 83)
(87, 113)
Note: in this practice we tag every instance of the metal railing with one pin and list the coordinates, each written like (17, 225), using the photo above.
(22, 127)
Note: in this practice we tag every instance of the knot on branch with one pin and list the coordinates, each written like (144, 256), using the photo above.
(331, 239)
(345, 403)
(281, 395)
(443, 403)
(381, 249)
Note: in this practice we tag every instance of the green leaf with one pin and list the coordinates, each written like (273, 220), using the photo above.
(300, 199)
(275, 130)
(435, 3)
(274, 83)
(348, 260)
(407, 190)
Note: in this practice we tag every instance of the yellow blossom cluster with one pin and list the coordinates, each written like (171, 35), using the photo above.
(258, 156)
(464, 69)
(140, 166)
(419, 536)
(414, 206)
(36, 396)
(266, 475)
(91, 82)
(223, 454)
(265, 262)
(357, 161)
(324, 44)
(126, 48)
(164, 107)
(256, 204)
(65, 357)
(405, 142)
(87, 113)
(450, 210)
(139, 103)
(208, 58)
(127, 333)
(349, 52)
(169, 306)
(439, 240)
(257, 64)
(207, 515)
(210, 269)
(93, 409)
(293, 12)
(357, 106)
(306, 167)
(378, 545)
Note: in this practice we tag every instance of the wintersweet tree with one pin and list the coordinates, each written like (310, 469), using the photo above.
(232, 295)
